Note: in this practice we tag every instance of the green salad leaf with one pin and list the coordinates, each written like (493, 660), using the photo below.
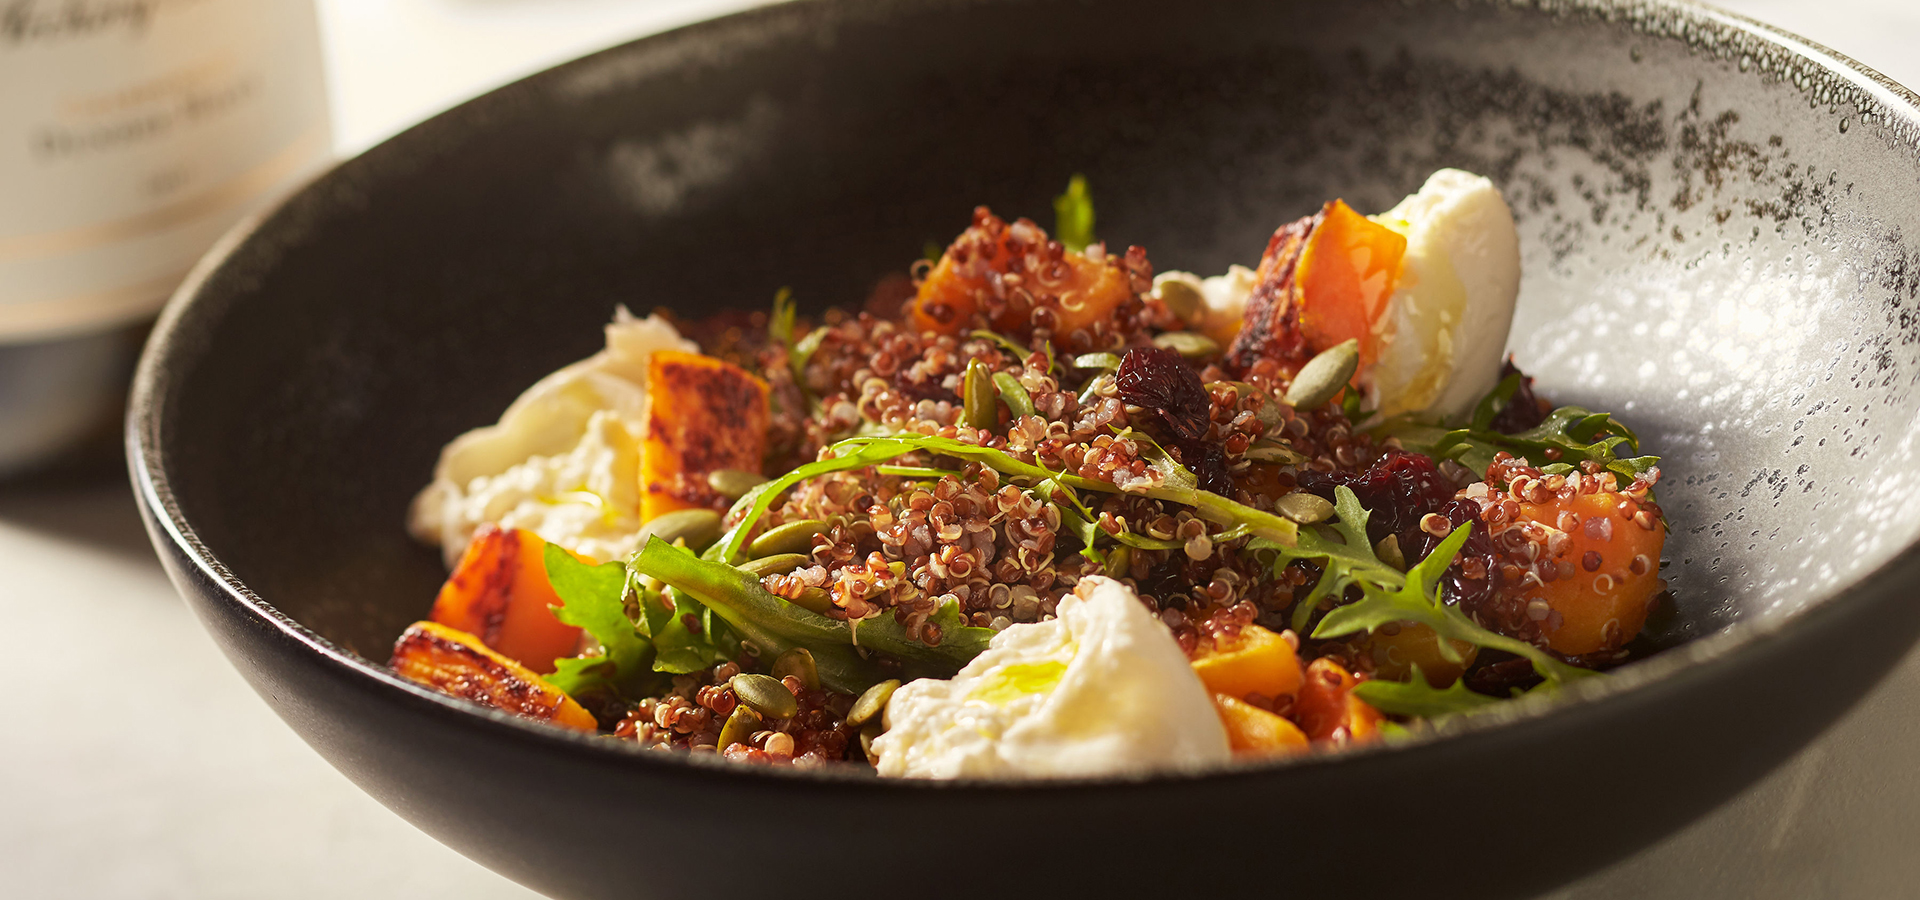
(593, 600)
(1073, 215)
(1418, 698)
(1387, 595)
(1567, 437)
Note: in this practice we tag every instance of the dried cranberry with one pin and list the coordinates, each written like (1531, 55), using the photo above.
(1209, 465)
(1524, 410)
(1159, 379)
(1401, 489)
(1396, 491)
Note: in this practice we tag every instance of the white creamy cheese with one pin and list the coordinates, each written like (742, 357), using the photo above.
(1445, 332)
(1225, 295)
(564, 460)
(1102, 689)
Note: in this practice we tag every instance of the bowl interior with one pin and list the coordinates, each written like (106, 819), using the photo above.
(1718, 239)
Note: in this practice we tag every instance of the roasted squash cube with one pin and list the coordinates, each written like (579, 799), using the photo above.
(499, 592)
(1252, 731)
(703, 415)
(457, 663)
(1258, 661)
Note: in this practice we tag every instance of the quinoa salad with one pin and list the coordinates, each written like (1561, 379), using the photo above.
(1031, 509)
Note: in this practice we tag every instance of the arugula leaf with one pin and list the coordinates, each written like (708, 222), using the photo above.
(679, 646)
(592, 598)
(1387, 595)
(959, 642)
(1575, 435)
(1418, 698)
(1073, 215)
(780, 322)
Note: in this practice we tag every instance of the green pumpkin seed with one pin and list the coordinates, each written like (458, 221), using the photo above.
(734, 483)
(977, 396)
(1275, 452)
(1182, 299)
(777, 564)
(1389, 552)
(1018, 401)
(698, 527)
(1190, 344)
(872, 702)
(1324, 375)
(1303, 507)
(739, 727)
(793, 537)
(867, 733)
(815, 600)
(798, 662)
(1097, 361)
(765, 694)
(1119, 562)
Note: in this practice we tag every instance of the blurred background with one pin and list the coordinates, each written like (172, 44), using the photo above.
(136, 763)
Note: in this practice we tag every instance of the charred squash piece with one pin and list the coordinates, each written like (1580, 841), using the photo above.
(1327, 708)
(703, 415)
(1256, 661)
(1271, 329)
(1324, 280)
(1252, 731)
(499, 593)
(1411, 645)
(457, 663)
(999, 276)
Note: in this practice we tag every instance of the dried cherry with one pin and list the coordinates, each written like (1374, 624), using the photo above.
(1159, 379)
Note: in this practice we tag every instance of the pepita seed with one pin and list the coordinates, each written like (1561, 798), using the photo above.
(1303, 507)
(872, 702)
(734, 483)
(1324, 375)
(977, 396)
(765, 694)
(798, 662)
(1181, 298)
(698, 527)
(1389, 552)
(738, 728)
(867, 733)
(777, 564)
(793, 537)
(1190, 344)
(815, 600)
(1119, 561)
(1276, 452)
(1018, 401)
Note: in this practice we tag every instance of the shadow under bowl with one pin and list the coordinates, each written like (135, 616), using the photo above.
(1719, 226)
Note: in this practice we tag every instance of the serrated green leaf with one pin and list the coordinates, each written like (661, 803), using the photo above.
(592, 599)
(1418, 698)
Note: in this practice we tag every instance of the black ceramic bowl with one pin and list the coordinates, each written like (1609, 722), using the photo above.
(1721, 230)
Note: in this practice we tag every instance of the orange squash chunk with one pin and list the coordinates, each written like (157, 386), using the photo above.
(499, 592)
(1411, 644)
(1615, 565)
(703, 415)
(457, 663)
(1257, 662)
(1323, 279)
(957, 295)
(1252, 731)
(1327, 707)
(1348, 270)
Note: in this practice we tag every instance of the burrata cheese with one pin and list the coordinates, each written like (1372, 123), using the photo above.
(1445, 332)
(563, 461)
(1102, 689)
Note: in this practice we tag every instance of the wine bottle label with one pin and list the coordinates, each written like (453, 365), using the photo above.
(132, 133)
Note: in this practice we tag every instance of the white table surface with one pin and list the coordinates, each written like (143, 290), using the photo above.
(135, 763)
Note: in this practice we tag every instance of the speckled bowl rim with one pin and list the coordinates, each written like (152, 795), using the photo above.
(1716, 32)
